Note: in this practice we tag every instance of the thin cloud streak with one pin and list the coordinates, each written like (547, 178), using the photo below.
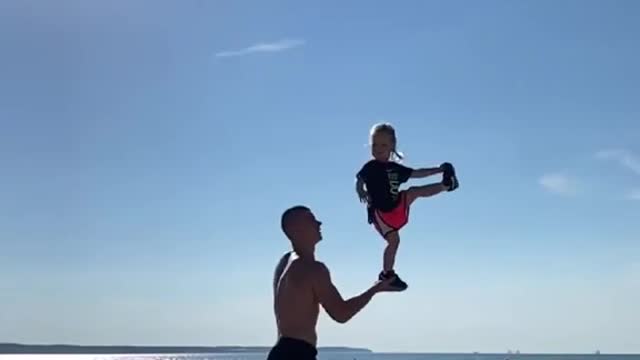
(623, 157)
(277, 46)
(627, 160)
(558, 184)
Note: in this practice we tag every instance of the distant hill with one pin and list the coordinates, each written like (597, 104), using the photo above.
(12, 348)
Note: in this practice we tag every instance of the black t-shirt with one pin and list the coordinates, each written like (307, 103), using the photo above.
(383, 180)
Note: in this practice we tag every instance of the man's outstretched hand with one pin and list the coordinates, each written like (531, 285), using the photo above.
(385, 285)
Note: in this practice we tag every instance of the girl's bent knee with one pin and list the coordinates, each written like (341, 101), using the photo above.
(393, 238)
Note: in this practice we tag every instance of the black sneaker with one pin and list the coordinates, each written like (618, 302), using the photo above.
(449, 178)
(397, 283)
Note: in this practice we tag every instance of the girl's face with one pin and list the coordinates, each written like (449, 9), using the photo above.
(382, 145)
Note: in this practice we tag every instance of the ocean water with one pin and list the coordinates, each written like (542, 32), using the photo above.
(328, 356)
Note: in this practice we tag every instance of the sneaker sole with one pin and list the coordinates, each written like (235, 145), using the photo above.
(399, 289)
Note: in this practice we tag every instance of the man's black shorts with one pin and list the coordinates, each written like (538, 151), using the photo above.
(292, 349)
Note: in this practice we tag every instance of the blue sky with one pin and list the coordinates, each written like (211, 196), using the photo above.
(148, 149)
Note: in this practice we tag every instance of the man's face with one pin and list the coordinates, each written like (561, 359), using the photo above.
(310, 227)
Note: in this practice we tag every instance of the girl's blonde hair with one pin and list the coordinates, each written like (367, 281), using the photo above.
(388, 129)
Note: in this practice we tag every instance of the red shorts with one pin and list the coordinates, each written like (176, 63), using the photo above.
(389, 221)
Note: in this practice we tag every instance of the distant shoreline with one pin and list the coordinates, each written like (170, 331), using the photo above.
(57, 349)
(63, 349)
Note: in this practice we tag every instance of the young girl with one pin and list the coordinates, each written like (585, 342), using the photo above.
(387, 205)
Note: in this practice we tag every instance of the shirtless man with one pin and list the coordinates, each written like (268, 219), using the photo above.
(301, 284)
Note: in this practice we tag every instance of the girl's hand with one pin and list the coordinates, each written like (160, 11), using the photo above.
(362, 193)
(364, 197)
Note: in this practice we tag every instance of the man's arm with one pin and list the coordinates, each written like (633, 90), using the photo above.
(424, 172)
(338, 309)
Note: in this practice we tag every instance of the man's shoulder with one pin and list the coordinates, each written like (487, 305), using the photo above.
(319, 265)
(302, 263)
(281, 266)
(284, 259)
(308, 272)
(312, 267)
(313, 264)
(317, 273)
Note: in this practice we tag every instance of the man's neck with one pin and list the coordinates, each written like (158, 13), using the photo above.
(308, 254)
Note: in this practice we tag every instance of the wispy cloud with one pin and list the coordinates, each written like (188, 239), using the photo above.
(627, 160)
(623, 157)
(558, 183)
(281, 45)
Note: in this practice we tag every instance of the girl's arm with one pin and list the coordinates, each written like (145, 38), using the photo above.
(424, 172)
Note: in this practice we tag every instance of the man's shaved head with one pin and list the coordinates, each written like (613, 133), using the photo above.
(302, 228)
(289, 216)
